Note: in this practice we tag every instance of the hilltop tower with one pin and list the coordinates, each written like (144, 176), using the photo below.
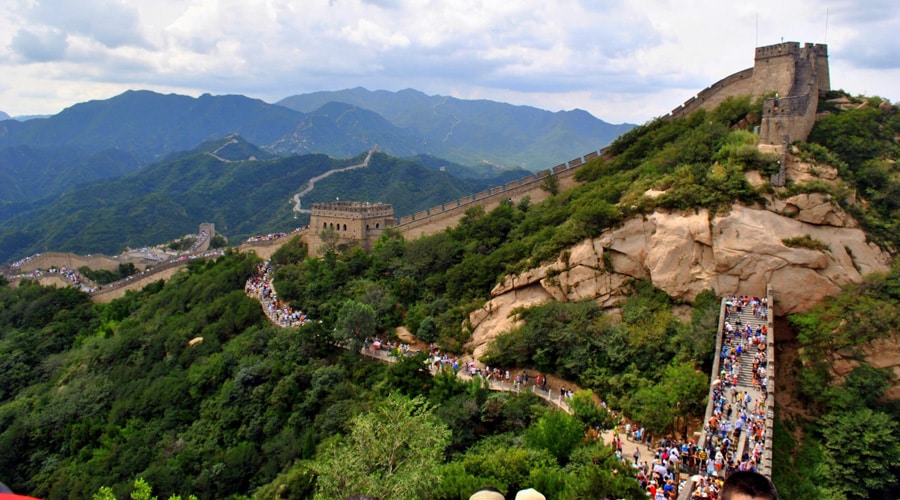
(348, 222)
(798, 76)
(792, 75)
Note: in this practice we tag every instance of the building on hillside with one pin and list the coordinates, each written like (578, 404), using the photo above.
(790, 76)
(347, 222)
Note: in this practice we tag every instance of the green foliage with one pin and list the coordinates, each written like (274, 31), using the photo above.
(850, 447)
(621, 361)
(861, 143)
(858, 315)
(355, 323)
(393, 451)
(550, 184)
(103, 276)
(806, 241)
(588, 412)
(862, 453)
(293, 251)
(557, 432)
(679, 393)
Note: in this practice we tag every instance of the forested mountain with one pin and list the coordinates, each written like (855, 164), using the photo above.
(30, 173)
(219, 183)
(475, 131)
(108, 138)
(148, 124)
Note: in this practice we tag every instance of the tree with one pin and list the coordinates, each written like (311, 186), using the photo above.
(588, 412)
(550, 184)
(677, 394)
(862, 452)
(329, 239)
(393, 451)
(557, 432)
(356, 322)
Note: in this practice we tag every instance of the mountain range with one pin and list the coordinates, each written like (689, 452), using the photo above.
(144, 166)
(40, 156)
(475, 131)
(241, 188)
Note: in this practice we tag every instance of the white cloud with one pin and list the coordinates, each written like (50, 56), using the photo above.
(621, 60)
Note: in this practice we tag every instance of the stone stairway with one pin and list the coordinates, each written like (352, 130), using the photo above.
(745, 377)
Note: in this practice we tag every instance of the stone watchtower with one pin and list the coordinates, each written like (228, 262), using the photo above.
(347, 222)
(798, 76)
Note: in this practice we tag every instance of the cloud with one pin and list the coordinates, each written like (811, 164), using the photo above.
(109, 22)
(628, 60)
(39, 45)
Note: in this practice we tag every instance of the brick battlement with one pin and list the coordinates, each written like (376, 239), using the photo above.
(353, 209)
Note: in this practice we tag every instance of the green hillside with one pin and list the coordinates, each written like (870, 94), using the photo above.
(149, 125)
(242, 197)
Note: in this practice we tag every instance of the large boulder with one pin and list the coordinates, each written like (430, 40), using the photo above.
(684, 253)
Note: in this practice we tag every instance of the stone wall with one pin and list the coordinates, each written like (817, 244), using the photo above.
(72, 261)
(740, 83)
(447, 215)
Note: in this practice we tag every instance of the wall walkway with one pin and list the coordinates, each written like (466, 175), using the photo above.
(722, 388)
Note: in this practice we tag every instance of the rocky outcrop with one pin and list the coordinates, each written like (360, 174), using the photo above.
(880, 353)
(685, 253)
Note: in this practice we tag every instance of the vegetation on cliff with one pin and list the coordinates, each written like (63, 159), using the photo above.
(862, 144)
(849, 440)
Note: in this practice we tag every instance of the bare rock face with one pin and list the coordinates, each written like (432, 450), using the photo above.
(880, 353)
(685, 253)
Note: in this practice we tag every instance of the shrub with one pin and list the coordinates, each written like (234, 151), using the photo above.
(806, 241)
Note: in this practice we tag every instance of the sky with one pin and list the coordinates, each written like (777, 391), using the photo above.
(623, 61)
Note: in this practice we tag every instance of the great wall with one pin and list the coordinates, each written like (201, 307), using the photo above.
(789, 77)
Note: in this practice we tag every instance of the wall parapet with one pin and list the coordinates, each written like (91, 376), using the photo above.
(506, 191)
(695, 102)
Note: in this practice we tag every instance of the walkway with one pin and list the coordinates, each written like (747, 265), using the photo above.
(737, 433)
(312, 182)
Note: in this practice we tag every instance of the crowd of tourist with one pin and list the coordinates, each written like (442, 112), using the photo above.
(735, 433)
(274, 236)
(259, 286)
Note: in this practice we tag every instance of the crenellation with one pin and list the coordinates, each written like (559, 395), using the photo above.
(777, 50)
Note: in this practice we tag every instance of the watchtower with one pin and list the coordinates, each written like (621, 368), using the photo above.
(348, 222)
(798, 76)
